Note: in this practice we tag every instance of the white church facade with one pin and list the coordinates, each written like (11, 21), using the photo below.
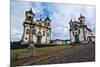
(37, 32)
(79, 32)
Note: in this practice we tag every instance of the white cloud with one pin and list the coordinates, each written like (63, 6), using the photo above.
(64, 13)
(60, 14)
(18, 9)
(17, 18)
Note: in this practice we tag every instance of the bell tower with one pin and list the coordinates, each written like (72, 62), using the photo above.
(81, 19)
(27, 34)
(48, 29)
(70, 23)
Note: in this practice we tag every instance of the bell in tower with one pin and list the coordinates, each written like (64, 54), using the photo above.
(29, 16)
(47, 21)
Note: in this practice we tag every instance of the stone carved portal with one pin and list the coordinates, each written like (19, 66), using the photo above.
(76, 38)
(39, 36)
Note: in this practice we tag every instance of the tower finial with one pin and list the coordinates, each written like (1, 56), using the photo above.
(81, 14)
(47, 18)
(71, 19)
(30, 9)
(40, 17)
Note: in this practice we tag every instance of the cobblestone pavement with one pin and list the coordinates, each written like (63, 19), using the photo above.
(80, 53)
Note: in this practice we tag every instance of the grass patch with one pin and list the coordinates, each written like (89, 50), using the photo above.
(38, 51)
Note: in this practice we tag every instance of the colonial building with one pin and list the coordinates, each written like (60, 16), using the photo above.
(79, 32)
(37, 32)
(60, 42)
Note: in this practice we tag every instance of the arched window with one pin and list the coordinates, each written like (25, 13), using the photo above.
(43, 33)
(48, 23)
(26, 38)
(27, 31)
(79, 31)
(73, 32)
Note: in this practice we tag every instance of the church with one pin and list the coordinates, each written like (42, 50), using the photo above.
(79, 32)
(37, 32)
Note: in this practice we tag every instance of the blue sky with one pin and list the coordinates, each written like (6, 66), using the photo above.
(60, 14)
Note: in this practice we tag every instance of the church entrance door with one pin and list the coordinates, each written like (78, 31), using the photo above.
(39, 36)
(39, 40)
(76, 38)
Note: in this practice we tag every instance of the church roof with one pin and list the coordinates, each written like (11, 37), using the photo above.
(70, 21)
(81, 16)
(30, 11)
(47, 18)
(87, 28)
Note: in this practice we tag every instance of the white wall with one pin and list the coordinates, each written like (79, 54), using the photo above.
(43, 39)
(26, 35)
(58, 42)
(68, 42)
(72, 37)
(81, 37)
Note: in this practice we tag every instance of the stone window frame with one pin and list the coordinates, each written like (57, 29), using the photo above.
(29, 17)
(43, 33)
(27, 31)
(26, 38)
(73, 32)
